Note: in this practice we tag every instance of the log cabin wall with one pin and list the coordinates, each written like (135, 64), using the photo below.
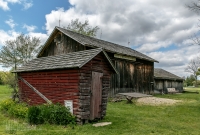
(97, 64)
(57, 86)
(163, 84)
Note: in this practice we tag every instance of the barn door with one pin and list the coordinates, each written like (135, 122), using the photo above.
(96, 95)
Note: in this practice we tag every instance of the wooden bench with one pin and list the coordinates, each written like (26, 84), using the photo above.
(171, 90)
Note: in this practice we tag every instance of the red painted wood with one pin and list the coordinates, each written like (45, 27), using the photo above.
(57, 86)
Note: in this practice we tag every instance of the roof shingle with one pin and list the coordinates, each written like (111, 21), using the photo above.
(163, 74)
(98, 43)
(70, 60)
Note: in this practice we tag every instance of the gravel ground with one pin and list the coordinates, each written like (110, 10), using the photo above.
(157, 101)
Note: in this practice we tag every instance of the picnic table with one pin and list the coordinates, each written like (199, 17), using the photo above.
(130, 96)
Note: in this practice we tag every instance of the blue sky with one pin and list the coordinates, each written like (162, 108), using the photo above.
(158, 28)
(32, 16)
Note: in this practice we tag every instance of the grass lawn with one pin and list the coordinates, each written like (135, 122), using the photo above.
(192, 89)
(127, 119)
(5, 92)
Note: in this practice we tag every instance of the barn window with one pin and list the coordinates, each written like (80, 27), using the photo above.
(58, 38)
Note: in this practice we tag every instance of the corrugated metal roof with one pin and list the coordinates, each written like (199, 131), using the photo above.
(70, 60)
(98, 43)
(163, 74)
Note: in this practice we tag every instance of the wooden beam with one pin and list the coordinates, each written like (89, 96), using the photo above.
(35, 90)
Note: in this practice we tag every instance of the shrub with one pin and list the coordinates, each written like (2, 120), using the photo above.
(14, 109)
(18, 110)
(52, 114)
(6, 104)
(34, 115)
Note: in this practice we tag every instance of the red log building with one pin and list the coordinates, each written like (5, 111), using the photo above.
(81, 77)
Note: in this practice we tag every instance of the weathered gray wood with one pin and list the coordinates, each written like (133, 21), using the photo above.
(164, 79)
(96, 95)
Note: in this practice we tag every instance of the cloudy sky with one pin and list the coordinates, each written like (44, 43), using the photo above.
(158, 28)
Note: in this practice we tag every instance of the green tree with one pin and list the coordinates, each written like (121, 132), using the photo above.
(83, 28)
(19, 51)
(3, 77)
(1, 80)
(189, 81)
(15, 53)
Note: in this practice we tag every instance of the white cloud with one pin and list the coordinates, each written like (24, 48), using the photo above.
(43, 37)
(175, 60)
(149, 47)
(13, 1)
(26, 4)
(4, 5)
(30, 28)
(11, 23)
(7, 35)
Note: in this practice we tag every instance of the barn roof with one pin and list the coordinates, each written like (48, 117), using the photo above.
(98, 43)
(163, 74)
(70, 60)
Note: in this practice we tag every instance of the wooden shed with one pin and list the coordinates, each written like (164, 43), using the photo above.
(164, 79)
(81, 79)
(135, 69)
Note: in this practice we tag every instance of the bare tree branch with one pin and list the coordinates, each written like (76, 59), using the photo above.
(193, 67)
(194, 6)
(83, 28)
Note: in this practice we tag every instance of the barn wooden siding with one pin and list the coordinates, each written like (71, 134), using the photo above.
(133, 76)
(68, 84)
(57, 86)
(163, 84)
(61, 45)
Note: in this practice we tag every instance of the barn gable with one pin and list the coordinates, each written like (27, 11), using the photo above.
(94, 43)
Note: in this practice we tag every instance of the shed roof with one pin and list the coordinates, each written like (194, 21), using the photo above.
(163, 74)
(98, 43)
(70, 60)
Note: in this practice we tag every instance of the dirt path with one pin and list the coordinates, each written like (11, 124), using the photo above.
(157, 101)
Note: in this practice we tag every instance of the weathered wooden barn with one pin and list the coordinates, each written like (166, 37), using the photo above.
(81, 79)
(164, 79)
(135, 69)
